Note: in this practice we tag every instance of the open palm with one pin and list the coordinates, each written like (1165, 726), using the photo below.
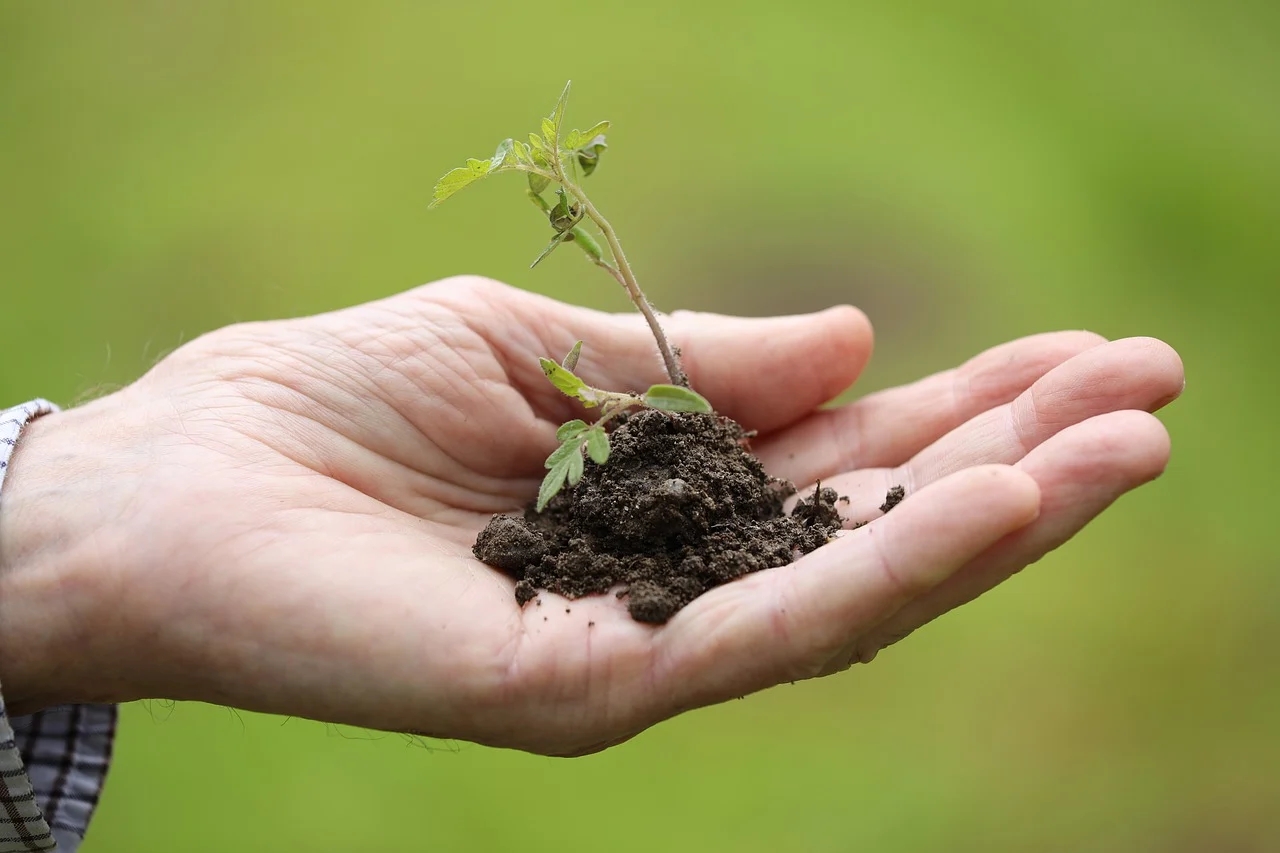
(294, 504)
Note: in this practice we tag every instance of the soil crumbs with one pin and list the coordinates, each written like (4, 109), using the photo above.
(681, 507)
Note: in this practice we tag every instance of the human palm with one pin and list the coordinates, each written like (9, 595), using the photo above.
(293, 505)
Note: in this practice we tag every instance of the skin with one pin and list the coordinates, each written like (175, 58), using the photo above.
(279, 515)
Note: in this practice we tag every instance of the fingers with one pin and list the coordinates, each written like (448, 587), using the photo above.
(888, 427)
(1137, 373)
(1080, 472)
(801, 620)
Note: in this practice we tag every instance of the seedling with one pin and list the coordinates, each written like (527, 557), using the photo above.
(578, 437)
(551, 158)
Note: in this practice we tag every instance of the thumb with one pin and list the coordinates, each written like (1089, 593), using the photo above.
(764, 372)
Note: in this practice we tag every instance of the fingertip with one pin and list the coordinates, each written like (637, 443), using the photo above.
(769, 372)
(850, 323)
(1167, 373)
(1132, 444)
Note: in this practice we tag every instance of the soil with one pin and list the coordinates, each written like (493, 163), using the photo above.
(681, 507)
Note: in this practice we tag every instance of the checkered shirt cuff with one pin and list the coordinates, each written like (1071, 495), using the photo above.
(54, 762)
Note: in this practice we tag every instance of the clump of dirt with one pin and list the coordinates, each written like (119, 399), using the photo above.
(680, 507)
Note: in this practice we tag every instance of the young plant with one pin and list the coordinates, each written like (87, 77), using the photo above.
(552, 158)
(565, 464)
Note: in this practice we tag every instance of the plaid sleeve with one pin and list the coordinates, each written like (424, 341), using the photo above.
(52, 763)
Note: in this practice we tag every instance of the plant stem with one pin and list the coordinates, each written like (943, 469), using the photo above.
(627, 279)
(622, 272)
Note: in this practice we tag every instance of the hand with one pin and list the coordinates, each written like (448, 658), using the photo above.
(279, 515)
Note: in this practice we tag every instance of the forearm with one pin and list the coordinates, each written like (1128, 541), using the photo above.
(45, 571)
(52, 763)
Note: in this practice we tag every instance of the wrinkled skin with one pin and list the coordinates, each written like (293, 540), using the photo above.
(279, 516)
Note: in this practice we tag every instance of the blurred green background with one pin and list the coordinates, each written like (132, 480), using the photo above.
(966, 172)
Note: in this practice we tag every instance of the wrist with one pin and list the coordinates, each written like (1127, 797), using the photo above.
(55, 553)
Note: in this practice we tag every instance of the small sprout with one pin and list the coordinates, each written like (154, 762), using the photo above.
(548, 159)
(565, 464)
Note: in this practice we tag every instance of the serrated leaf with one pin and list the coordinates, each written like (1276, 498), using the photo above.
(566, 449)
(552, 484)
(595, 130)
(576, 467)
(675, 398)
(572, 429)
(570, 361)
(598, 445)
(564, 380)
(451, 182)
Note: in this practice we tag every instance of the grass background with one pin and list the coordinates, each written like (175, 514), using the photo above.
(966, 172)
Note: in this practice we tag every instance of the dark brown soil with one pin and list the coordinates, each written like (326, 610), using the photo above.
(680, 507)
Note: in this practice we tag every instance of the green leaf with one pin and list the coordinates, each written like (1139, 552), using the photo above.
(539, 201)
(536, 143)
(564, 214)
(568, 384)
(551, 247)
(456, 179)
(587, 242)
(576, 467)
(552, 484)
(557, 115)
(523, 153)
(451, 182)
(595, 130)
(598, 445)
(538, 183)
(572, 429)
(589, 155)
(568, 448)
(570, 361)
(675, 398)
(572, 138)
(549, 132)
(502, 156)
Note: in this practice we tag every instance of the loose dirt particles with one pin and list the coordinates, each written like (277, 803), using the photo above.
(680, 507)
